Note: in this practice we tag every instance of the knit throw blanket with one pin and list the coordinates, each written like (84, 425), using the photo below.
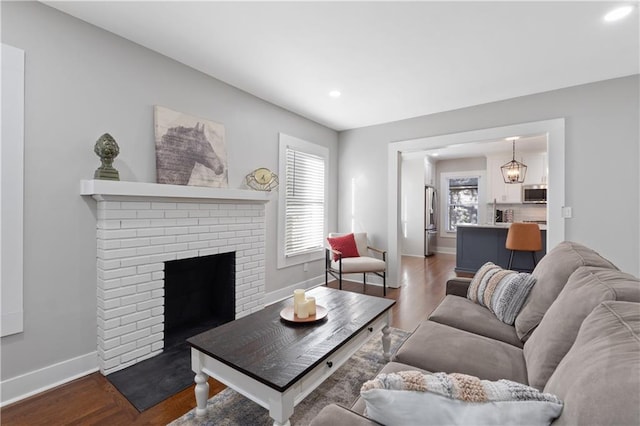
(459, 386)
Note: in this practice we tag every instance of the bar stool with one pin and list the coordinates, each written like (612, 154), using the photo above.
(524, 237)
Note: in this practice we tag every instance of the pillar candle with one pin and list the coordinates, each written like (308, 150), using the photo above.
(298, 297)
(303, 310)
(311, 301)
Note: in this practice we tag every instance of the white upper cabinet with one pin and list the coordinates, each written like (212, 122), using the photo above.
(536, 168)
(510, 193)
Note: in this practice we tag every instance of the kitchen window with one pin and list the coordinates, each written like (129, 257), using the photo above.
(303, 192)
(462, 192)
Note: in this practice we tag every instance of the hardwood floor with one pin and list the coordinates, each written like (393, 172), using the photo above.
(92, 400)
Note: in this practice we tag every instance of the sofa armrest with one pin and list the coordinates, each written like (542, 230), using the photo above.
(333, 415)
(458, 286)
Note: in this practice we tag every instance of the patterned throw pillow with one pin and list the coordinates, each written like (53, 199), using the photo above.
(411, 397)
(345, 244)
(502, 291)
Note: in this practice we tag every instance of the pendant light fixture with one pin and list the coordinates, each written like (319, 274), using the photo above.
(514, 171)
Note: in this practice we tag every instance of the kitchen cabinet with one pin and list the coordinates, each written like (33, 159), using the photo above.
(479, 244)
(503, 193)
(536, 168)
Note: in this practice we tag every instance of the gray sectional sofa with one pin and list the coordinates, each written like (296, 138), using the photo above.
(577, 337)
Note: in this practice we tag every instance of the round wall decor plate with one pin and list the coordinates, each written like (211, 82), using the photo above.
(288, 315)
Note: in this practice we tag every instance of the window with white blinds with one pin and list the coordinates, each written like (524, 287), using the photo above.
(302, 220)
(304, 210)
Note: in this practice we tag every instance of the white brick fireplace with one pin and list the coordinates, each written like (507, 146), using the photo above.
(139, 227)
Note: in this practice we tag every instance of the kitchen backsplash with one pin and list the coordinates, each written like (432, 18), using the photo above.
(522, 212)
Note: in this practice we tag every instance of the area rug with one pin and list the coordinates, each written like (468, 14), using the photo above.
(229, 408)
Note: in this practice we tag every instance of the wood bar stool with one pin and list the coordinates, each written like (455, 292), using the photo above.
(524, 237)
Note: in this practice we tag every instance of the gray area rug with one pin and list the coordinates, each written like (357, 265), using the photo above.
(229, 408)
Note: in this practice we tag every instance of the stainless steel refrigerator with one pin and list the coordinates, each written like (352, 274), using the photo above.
(430, 220)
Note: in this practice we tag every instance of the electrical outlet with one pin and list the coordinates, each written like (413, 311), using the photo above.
(567, 212)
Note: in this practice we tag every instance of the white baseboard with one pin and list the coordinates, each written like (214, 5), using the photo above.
(446, 250)
(34, 382)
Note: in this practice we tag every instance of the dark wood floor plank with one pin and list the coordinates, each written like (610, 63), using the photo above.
(92, 400)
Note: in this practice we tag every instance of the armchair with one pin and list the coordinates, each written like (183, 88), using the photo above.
(368, 260)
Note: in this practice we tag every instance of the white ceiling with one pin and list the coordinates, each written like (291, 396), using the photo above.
(390, 60)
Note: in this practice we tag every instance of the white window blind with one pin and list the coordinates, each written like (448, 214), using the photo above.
(304, 205)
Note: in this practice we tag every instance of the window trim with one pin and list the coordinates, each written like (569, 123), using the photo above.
(444, 203)
(286, 141)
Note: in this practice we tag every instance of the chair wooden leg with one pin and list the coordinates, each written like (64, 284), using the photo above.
(364, 282)
(384, 283)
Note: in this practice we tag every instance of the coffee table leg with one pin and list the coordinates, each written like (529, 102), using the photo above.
(281, 409)
(386, 343)
(202, 393)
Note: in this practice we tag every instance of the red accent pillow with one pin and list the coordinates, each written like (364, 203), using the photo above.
(345, 244)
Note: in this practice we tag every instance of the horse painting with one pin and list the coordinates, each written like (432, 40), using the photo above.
(185, 156)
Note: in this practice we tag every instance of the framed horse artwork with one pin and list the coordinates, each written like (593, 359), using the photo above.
(189, 150)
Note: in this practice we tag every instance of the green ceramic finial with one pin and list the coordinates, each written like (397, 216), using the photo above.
(107, 149)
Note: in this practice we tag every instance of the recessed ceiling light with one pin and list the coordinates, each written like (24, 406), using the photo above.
(335, 93)
(435, 154)
(618, 13)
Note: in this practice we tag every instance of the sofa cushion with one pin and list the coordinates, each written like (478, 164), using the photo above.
(552, 339)
(460, 312)
(438, 347)
(502, 291)
(599, 378)
(415, 398)
(360, 264)
(552, 273)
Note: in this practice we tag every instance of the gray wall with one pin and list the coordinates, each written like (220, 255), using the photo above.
(601, 147)
(80, 82)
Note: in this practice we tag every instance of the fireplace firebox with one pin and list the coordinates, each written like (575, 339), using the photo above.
(199, 293)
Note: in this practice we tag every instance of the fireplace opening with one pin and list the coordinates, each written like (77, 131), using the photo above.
(199, 294)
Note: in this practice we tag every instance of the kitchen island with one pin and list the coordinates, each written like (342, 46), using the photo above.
(478, 244)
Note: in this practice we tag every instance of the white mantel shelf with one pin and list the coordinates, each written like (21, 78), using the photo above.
(98, 188)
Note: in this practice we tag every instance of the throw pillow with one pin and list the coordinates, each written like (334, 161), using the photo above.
(412, 398)
(502, 291)
(345, 244)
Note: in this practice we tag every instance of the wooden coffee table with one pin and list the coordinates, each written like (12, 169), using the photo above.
(276, 363)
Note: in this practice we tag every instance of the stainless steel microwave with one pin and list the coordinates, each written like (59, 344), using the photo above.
(534, 194)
